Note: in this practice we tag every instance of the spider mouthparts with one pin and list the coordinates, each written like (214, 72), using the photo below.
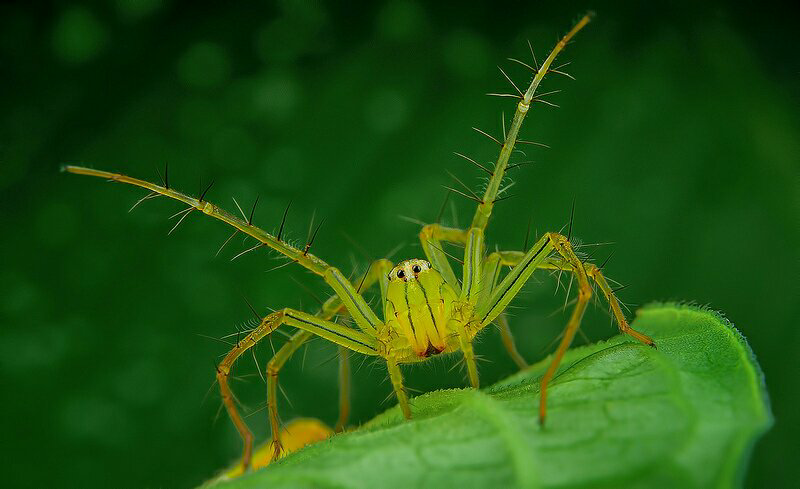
(432, 350)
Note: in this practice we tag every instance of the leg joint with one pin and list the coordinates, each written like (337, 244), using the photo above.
(585, 292)
(428, 231)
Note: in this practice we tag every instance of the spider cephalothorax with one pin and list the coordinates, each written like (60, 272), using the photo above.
(418, 308)
(427, 310)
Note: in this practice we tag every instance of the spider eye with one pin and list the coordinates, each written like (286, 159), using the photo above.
(416, 269)
(401, 274)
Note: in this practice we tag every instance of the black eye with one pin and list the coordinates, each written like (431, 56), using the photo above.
(416, 269)
(401, 274)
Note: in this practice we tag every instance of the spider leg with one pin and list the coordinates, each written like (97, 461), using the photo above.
(274, 366)
(491, 271)
(512, 258)
(396, 377)
(473, 266)
(375, 274)
(540, 256)
(471, 291)
(495, 300)
(563, 247)
(465, 342)
(594, 273)
(508, 341)
(431, 237)
(341, 335)
(493, 189)
(344, 390)
(505, 291)
(356, 306)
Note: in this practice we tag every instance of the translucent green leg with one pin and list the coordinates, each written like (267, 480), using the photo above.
(495, 300)
(512, 258)
(476, 281)
(484, 210)
(344, 389)
(274, 366)
(491, 272)
(472, 282)
(396, 377)
(539, 257)
(465, 342)
(563, 247)
(356, 306)
(508, 341)
(375, 274)
(341, 335)
(431, 238)
(594, 273)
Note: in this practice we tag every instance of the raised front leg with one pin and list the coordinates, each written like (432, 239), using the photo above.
(356, 306)
(526, 99)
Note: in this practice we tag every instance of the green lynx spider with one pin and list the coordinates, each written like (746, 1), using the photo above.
(426, 310)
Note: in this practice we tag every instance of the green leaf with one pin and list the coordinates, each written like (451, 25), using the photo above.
(620, 414)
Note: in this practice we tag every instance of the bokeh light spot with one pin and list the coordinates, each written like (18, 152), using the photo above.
(288, 37)
(95, 419)
(386, 111)
(134, 10)
(78, 36)
(276, 97)
(37, 347)
(204, 65)
(466, 54)
(21, 295)
(401, 21)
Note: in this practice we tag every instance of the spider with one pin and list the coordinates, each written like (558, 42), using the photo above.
(427, 311)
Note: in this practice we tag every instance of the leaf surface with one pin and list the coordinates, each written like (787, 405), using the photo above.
(620, 414)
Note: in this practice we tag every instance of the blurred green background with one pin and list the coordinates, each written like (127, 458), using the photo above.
(678, 142)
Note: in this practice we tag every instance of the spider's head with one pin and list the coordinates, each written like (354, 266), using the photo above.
(418, 306)
(409, 270)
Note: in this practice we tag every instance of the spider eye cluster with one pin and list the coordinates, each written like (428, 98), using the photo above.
(409, 269)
